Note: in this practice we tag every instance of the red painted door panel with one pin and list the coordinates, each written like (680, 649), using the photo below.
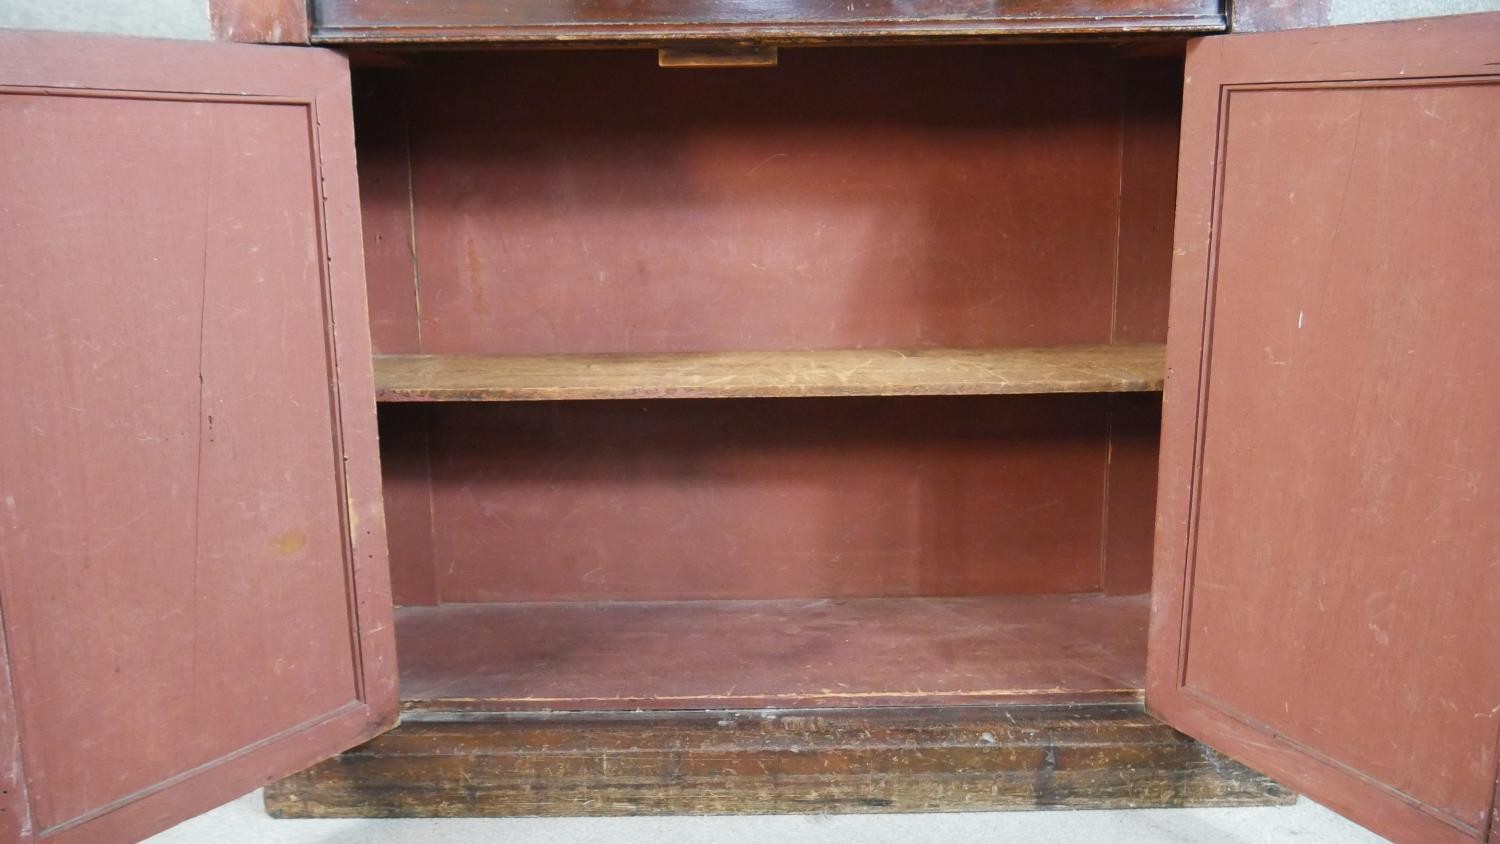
(1327, 592)
(192, 553)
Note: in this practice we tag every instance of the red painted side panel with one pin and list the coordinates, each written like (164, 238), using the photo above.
(192, 556)
(1328, 561)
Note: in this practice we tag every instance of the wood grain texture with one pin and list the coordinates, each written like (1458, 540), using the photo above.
(260, 21)
(934, 759)
(1319, 617)
(722, 375)
(593, 22)
(182, 237)
(718, 654)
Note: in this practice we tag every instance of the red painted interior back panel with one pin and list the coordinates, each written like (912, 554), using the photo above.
(768, 498)
(594, 202)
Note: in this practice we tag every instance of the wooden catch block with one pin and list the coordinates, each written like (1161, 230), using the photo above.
(736, 56)
(865, 372)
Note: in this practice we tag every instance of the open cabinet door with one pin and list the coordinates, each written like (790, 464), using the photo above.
(1327, 590)
(192, 556)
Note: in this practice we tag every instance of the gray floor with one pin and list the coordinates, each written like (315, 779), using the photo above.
(244, 822)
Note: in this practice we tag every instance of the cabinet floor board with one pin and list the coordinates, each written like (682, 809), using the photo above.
(783, 653)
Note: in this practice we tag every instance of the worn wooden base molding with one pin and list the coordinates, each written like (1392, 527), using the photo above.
(921, 759)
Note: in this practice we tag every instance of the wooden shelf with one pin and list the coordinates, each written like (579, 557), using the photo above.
(874, 372)
(717, 654)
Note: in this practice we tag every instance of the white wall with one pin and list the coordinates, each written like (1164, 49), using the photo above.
(1359, 11)
(158, 18)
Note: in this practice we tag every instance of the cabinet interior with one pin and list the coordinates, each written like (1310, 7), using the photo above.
(833, 383)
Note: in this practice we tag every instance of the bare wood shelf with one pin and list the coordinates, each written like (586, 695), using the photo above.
(871, 372)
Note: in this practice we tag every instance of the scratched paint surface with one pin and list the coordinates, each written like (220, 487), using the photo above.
(167, 468)
(1349, 468)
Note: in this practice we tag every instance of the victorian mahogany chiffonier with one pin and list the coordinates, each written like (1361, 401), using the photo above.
(713, 406)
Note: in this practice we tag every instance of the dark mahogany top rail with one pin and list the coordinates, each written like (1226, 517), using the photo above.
(584, 22)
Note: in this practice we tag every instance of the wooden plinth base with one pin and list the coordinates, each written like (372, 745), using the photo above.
(920, 759)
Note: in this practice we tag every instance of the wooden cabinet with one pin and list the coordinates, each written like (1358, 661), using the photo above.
(775, 438)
